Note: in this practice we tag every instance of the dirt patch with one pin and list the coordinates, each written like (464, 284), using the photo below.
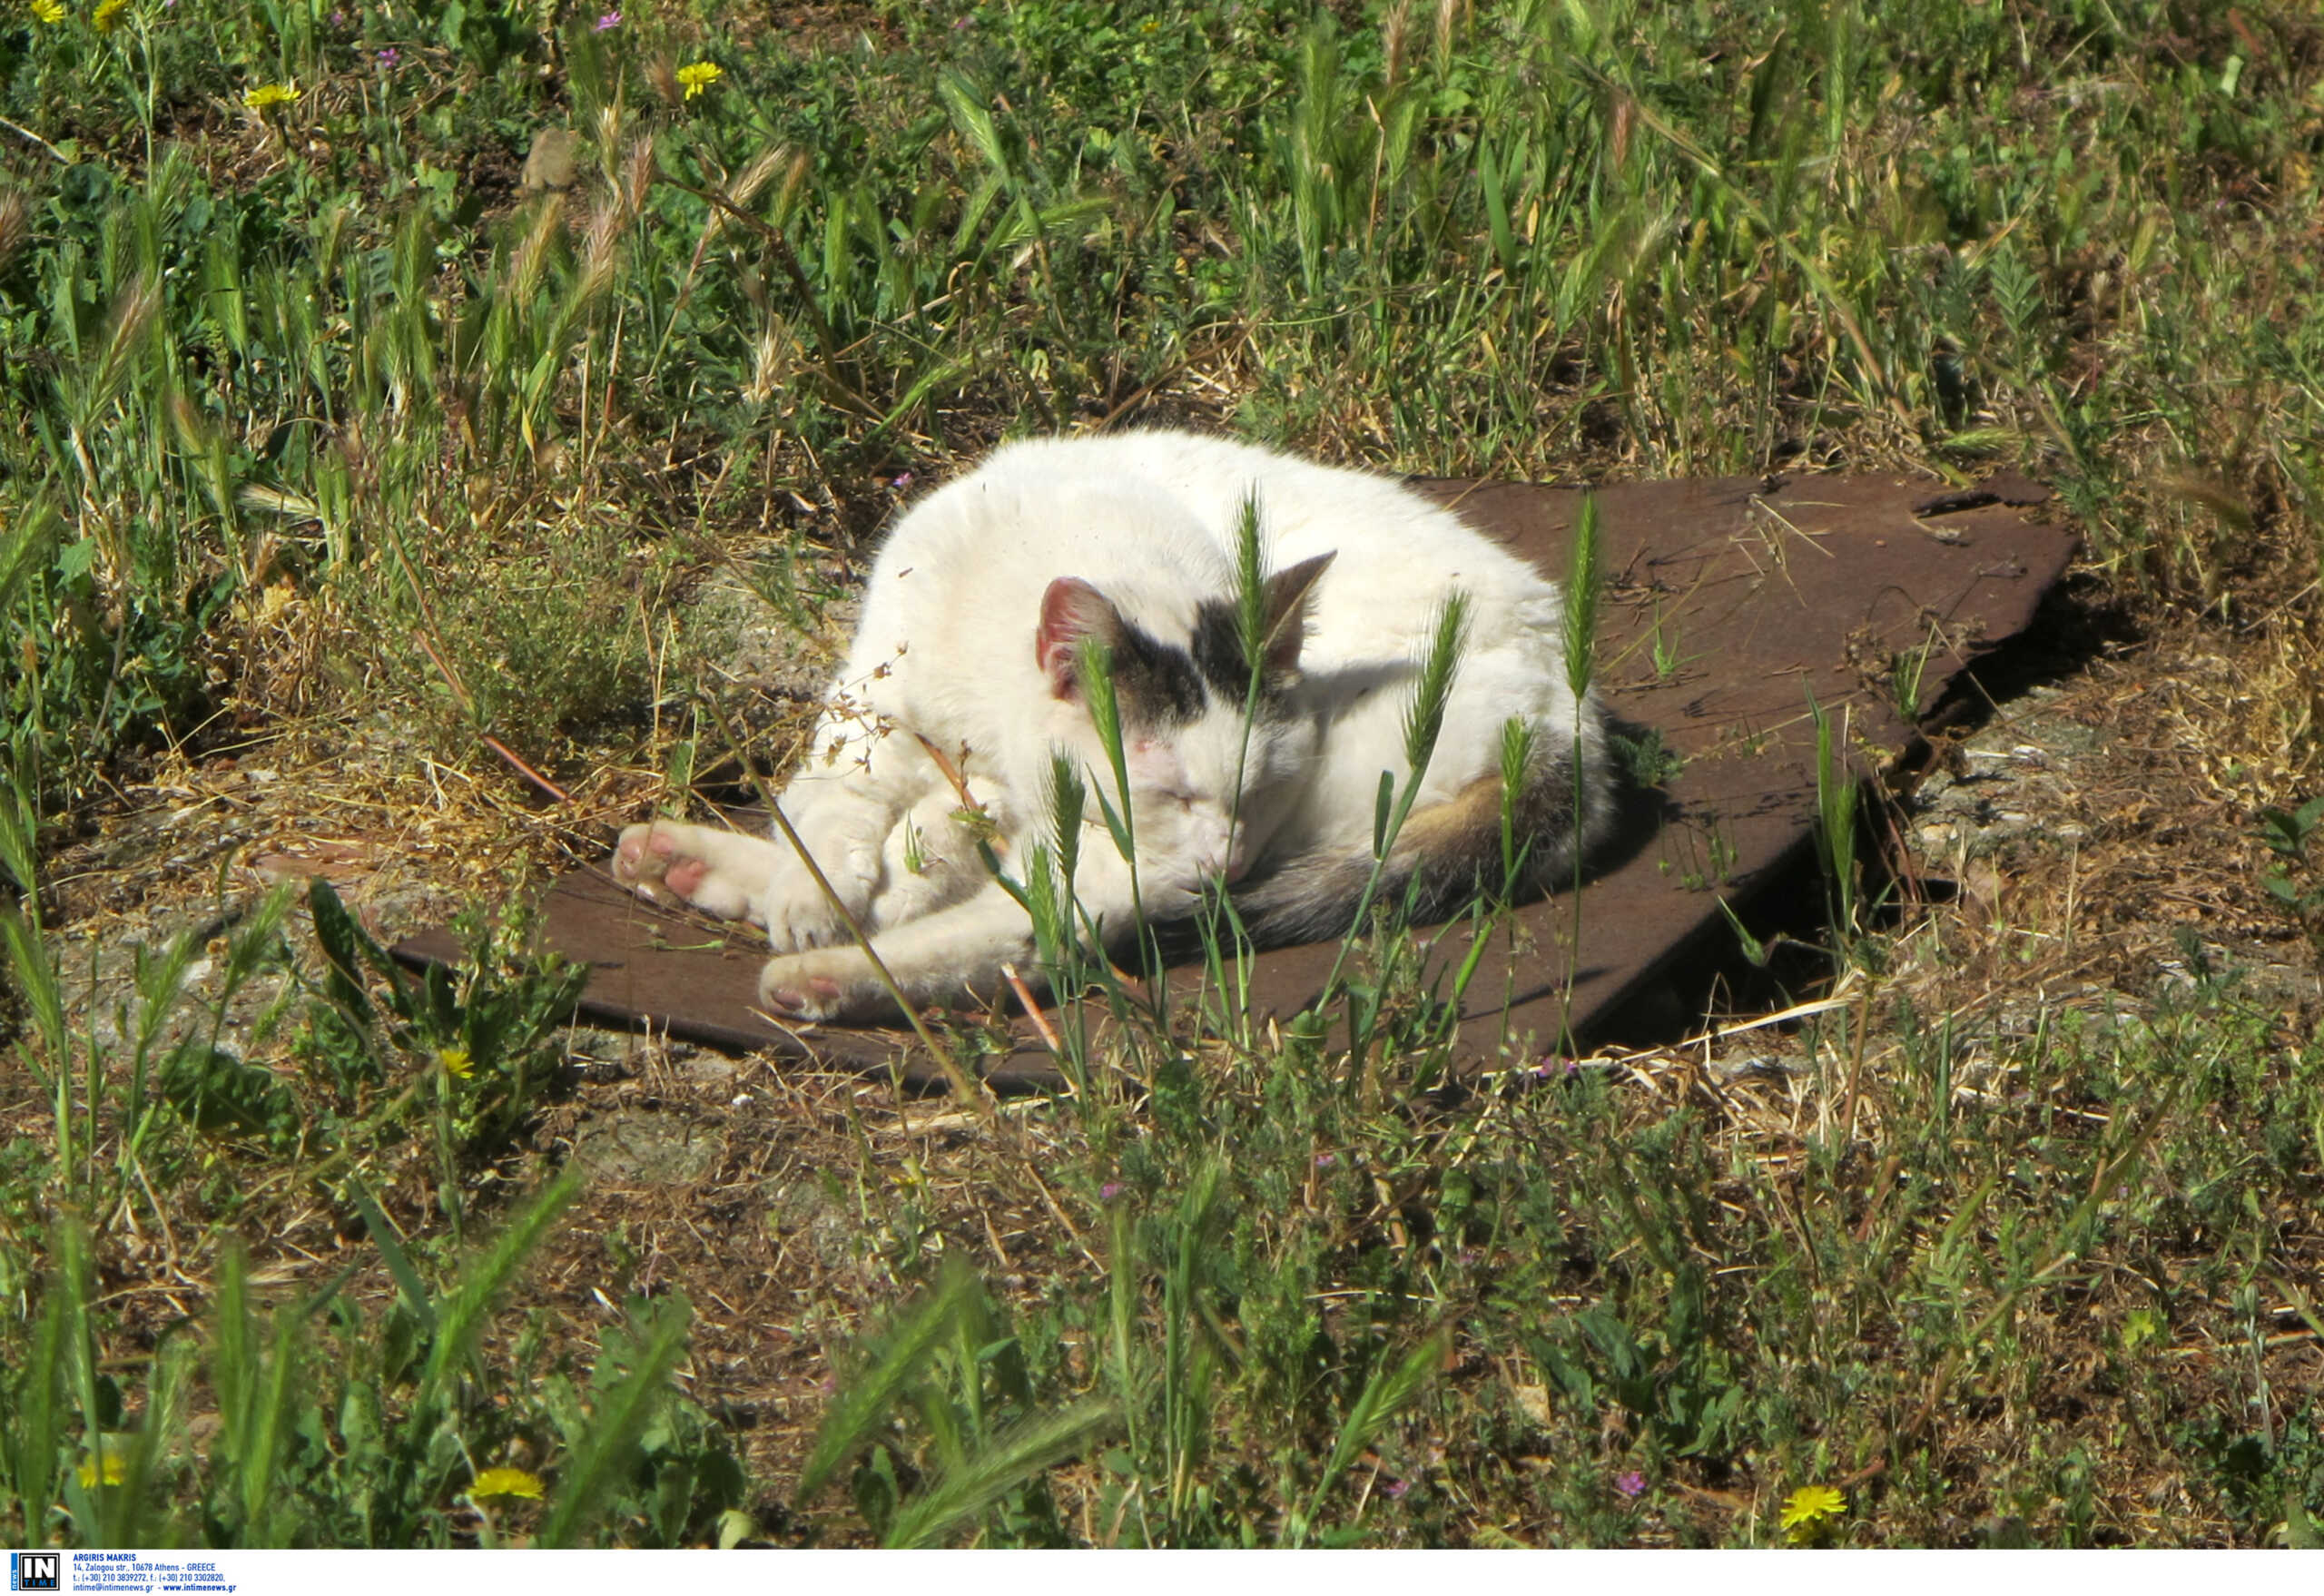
(2102, 834)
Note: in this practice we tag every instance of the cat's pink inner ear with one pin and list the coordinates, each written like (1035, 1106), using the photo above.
(1072, 610)
(1290, 592)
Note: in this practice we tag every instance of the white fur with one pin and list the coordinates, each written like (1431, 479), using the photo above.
(946, 649)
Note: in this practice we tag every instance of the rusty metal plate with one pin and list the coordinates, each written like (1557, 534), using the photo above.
(1730, 605)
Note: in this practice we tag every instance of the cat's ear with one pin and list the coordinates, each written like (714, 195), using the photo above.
(1072, 610)
(1288, 593)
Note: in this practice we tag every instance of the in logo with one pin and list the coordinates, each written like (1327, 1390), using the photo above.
(35, 1570)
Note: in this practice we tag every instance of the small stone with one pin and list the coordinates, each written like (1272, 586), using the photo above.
(1765, 1064)
(1533, 1402)
(550, 164)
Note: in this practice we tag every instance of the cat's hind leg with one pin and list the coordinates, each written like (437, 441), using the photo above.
(951, 954)
(930, 861)
(848, 826)
(940, 957)
(894, 835)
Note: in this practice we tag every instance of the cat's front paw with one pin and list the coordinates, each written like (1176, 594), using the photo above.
(828, 983)
(664, 864)
(800, 918)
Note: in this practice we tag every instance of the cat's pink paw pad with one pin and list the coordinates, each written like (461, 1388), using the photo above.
(816, 994)
(647, 858)
(629, 854)
(812, 986)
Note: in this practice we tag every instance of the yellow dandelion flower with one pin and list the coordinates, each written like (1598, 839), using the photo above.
(456, 1060)
(507, 1482)
(107, 15)
(699, 76)
(106, 1466)
(50, 11)
(266, 97)
(1805, 1509)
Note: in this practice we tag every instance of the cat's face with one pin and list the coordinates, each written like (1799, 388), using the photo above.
(1204, 793)
(1205, 799)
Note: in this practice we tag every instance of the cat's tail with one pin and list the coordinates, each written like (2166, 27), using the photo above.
(1444, 857)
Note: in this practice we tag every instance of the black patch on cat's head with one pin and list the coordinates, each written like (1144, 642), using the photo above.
(1217, 647)
(1154, 681)
(1217, 653)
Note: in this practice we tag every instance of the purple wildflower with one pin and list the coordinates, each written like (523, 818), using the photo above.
(611, 19)
(1394, 1489)
(1326, 1160)
(1109, 1191)
(1633, 1484)
(339, 19)
(389, 55)
(903, 481)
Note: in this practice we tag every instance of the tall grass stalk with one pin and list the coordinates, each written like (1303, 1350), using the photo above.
(1069, 943)
(606, 1446)
(983, 1460)
(1517, 774)
(1424, 722)
(1390, 1389)
(1836, 801)
(1580, 641)
(1094, 668)
(1188, 1362)
(1222, 927)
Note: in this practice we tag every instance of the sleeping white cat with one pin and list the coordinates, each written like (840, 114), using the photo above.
(969, 644)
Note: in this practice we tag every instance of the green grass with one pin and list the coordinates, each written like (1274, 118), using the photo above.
(316, 419)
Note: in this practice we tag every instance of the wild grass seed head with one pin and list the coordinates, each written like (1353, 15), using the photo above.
(1250, 584)
(1095, 667)
(600, 253)
(755, 177)
(530, 260)
(1425, 719)
(1067, 798)
(16, 222)
(637, 177)
(1516, 771)
(1581, 599)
